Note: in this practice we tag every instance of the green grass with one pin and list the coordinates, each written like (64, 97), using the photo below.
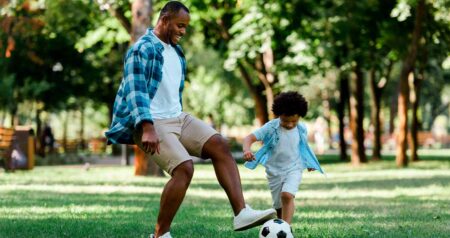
(374, 200)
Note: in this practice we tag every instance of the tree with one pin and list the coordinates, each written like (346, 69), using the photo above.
(260, 41)
(432, 51)
(141, 16)
(405, 76)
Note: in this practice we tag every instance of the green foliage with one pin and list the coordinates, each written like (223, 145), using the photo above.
(7, 92)
(75, 48)
(68, 18)
(211, 90)
(108, 34)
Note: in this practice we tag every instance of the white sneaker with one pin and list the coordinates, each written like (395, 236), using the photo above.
(248, 218)
(166, 235)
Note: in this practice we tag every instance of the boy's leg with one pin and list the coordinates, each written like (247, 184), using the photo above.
(279, 213)
(289, 189)
(288, 207)
(275, 185)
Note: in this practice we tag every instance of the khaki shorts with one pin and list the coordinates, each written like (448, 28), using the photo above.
(180, 138)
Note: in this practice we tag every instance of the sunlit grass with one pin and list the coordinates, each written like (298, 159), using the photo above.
(373, 200)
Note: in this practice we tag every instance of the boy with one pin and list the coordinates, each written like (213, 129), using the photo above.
(285, 152)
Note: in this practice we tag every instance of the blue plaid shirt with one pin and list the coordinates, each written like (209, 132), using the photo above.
(141, 78)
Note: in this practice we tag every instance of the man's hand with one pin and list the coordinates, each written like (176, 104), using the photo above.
(311, 169)
(248, 156)
(150, 139)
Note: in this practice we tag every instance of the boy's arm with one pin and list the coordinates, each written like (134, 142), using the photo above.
(248, 141)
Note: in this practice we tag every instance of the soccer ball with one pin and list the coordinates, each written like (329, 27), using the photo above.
(276, 228)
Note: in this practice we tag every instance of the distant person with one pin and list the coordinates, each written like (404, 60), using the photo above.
(285, 152)
(148, 112)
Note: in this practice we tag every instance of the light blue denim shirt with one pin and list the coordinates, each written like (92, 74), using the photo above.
(269, 134)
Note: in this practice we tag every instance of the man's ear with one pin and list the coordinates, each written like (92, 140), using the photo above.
(165, 19)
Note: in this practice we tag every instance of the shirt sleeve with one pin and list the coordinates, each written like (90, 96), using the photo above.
(263, 131)
(135, 87)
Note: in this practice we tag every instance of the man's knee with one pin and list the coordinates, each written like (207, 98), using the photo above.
(184, 171)
(218, 143)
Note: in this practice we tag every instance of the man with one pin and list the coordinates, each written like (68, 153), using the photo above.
(148, 112)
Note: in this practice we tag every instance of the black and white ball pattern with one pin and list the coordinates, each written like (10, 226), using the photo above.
(276, 228)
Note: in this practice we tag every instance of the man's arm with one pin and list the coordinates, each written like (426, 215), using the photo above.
(135, 87)
(138, 99)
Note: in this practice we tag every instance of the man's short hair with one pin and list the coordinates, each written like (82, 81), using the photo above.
(171, 8)
(289, 104)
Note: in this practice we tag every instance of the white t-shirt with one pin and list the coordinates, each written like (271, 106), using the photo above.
(285, 156)
(166, 102)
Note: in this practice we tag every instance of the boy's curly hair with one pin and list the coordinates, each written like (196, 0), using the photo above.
(290, 103)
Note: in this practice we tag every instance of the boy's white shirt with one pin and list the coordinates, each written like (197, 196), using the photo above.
(166, 103)
(285, 156)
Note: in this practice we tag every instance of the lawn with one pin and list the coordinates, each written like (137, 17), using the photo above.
(375, 200)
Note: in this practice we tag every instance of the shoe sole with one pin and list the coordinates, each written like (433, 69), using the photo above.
(257, 222)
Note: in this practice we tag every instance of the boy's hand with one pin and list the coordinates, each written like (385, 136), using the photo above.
(248, 156)
(311, 169)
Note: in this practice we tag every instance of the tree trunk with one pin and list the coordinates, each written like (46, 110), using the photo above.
(263, 66)
(141, 18)
(263, 103)
(65, 126)
(375, 105)
(40, 146)
(81, 132)
(343, 102)
(327, 116)
(14, 119)
(415, 124)
(256, 92)
(393, 111)
(403, 99)
(377, 89)
(357, 116)
(401, 159)
(269, 78)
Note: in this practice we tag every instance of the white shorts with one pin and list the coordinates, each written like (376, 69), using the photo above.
(288, 182)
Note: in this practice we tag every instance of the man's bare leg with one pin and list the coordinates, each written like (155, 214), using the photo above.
(173, 195)
(226, 170)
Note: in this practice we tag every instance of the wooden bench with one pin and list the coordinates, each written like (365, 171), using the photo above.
(6, 141)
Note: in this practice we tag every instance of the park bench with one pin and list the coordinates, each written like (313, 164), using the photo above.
(6, 142)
